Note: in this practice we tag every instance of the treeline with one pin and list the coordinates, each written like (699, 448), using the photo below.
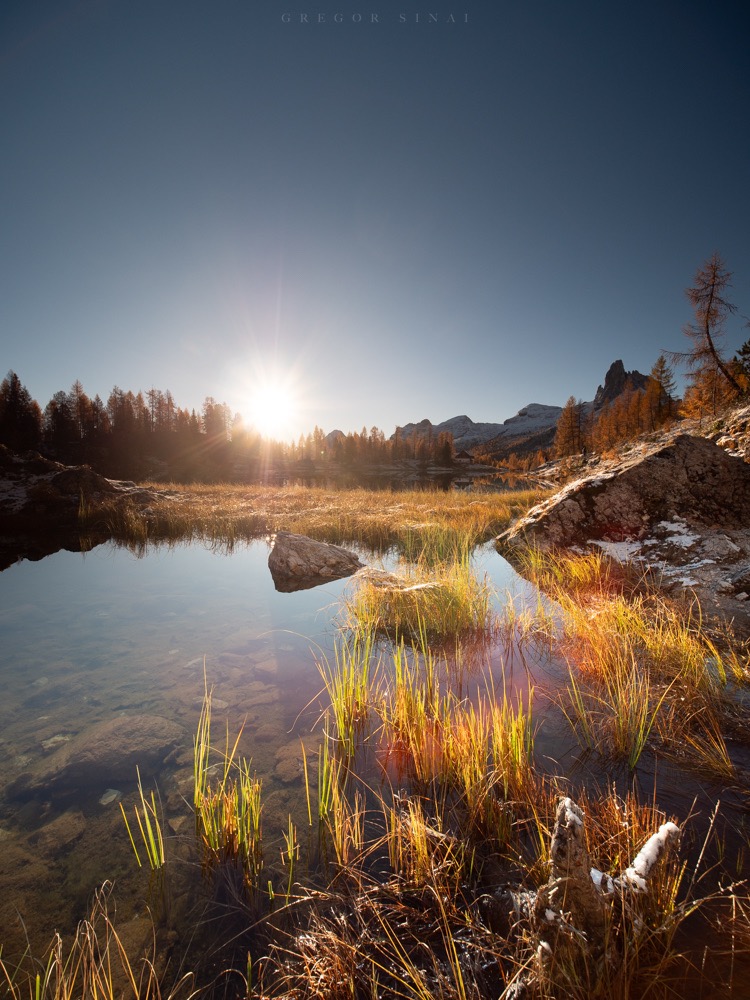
(635, 411)
(142, 435)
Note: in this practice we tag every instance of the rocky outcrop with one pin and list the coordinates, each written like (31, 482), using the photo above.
(689, 478)
(616, 382)
(299, 563)
(40, 501)
(680, 507)
(107, 753)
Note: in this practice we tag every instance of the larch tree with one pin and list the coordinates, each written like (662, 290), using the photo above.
(569, 437)
(707, 296)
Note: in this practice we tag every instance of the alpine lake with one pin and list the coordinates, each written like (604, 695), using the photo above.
(110, 634)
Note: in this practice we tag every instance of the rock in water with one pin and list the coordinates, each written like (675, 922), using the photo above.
(298, 563)
(106, 754)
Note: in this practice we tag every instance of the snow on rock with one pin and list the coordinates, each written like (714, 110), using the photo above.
(678, 507)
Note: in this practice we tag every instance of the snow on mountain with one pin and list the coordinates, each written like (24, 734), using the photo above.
(467, 434)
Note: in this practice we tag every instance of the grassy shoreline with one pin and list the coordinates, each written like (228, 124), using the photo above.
(375, 519)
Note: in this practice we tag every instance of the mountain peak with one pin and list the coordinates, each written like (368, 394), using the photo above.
(617, 381)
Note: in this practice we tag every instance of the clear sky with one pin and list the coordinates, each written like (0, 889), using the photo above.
(402, 217)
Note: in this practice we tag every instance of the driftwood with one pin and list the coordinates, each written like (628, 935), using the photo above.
(570, 915)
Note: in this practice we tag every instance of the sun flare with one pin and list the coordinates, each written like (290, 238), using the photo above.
(273, 410)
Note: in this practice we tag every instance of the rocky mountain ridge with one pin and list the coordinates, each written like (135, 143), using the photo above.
(468, 434)
(533, 427)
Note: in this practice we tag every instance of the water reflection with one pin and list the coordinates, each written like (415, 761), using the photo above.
(86, 639)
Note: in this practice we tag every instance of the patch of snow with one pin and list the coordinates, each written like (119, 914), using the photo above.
(621, 551)
(571, 814)
(602, 881)
(649, 854)
(678, 533)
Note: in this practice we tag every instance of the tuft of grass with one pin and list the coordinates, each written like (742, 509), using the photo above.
(150, 827)
(228, 808)
(352, 686)
(436, 602)
(95, 965)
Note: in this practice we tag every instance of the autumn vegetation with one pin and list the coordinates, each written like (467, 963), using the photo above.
(714, 381)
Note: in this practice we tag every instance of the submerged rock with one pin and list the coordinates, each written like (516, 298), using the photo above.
(299, 563)
(106, 754)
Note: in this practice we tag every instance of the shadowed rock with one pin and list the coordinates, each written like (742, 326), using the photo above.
(299, 563)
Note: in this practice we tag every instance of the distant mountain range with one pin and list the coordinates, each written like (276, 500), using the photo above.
(531, 420)
(533, 427)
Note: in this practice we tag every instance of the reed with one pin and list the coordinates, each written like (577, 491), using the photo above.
(228, 809)
(149, 826)
(96, 964)
(351, 682)
(290, 854)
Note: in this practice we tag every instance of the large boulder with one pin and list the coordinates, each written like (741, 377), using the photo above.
(40, 504)
(103, 756)
(689, 478)
(680, 510)
(298, 563)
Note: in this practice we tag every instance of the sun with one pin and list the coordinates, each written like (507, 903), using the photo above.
(273, 409)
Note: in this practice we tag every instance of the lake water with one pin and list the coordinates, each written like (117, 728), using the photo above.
(87, 638)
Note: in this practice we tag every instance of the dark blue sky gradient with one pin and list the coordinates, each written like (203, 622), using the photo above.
(409, 219)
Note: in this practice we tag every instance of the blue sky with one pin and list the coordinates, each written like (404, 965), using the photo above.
(403, 218)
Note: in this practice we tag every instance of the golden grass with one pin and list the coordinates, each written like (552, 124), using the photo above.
(377, 520)
(438, 603)
(644, 670)
(94, 966)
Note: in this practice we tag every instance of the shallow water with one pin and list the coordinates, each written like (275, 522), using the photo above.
(89, 637)
(85, 638)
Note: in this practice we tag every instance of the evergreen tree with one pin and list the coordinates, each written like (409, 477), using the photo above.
(20, 416)
(663, 375)
(742, 362)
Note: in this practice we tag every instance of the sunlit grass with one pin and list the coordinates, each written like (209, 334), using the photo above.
(428, 602)
(351, 682)
(644, 670)
(410, 521)
(150, 828)
(227, 803)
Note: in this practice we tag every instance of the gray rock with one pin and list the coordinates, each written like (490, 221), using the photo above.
(298, 563)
